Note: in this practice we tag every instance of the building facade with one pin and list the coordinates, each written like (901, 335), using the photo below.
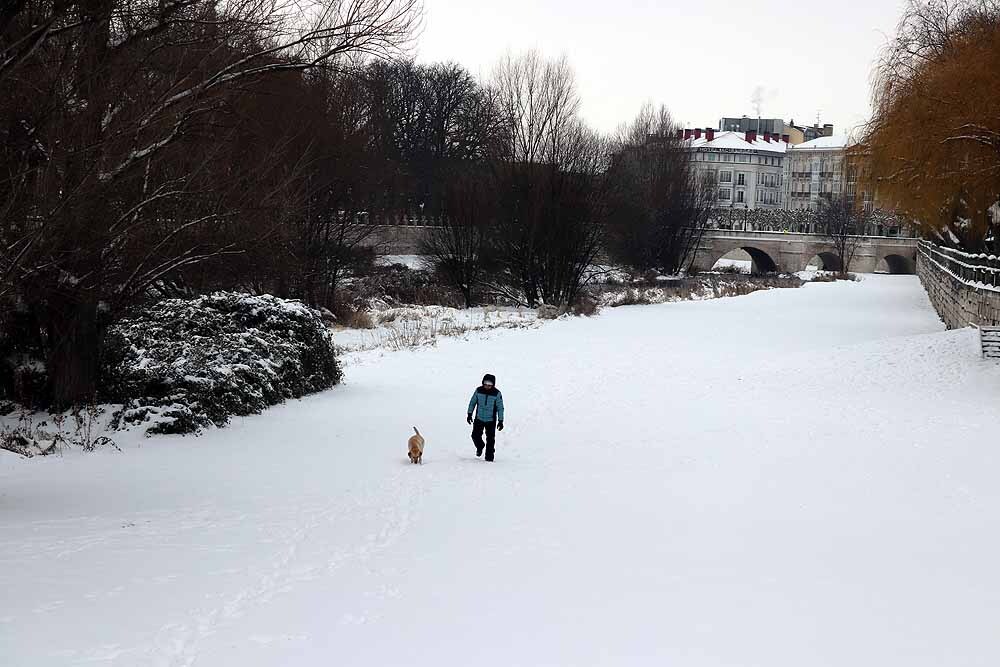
(815, 131)
(815, 169)
(746, 170)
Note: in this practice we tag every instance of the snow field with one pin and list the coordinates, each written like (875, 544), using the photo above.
(794, 477)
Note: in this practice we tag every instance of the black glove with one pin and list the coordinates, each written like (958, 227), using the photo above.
(500, 426)
(468, 419)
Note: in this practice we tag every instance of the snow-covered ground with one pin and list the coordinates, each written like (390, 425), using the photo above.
(410, 261)
(795, 477)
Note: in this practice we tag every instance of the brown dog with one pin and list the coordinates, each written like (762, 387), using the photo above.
(416, 447)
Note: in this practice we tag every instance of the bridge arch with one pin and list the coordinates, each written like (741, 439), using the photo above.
(760, 260)
(824, 260)
(896, 264)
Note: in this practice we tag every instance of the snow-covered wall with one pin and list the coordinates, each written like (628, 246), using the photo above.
(398, 239)
(964, 288)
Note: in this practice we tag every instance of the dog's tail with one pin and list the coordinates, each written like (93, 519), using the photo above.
(415, 430)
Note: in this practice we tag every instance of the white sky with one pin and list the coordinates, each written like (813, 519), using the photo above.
(703, 60)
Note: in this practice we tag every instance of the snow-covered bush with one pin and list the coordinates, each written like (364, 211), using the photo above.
(24, 380)
(186, 364)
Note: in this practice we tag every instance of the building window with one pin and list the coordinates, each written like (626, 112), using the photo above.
(739, 195)
(712, 157)
(741, 178)
(724, 193)
(725, 177)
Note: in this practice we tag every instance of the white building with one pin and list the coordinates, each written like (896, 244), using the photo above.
(747, 170)
(815, 169)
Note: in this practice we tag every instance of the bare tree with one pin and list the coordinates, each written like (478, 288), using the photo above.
(539, 105)
(113, 182)
(550, 176)
(458, 248)
(427, 120)
(841, 220)
(659, 204)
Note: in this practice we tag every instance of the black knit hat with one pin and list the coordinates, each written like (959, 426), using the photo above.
(489, 378)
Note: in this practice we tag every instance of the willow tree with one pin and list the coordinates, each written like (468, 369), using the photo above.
(933, 147)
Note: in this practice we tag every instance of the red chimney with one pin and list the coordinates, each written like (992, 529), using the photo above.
(680, 134)
(785, 138)
(688, 133)
(767, 137)
(697, 133)
(751, 136)
(709, 134)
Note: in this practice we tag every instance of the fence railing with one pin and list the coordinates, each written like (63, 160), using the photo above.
(801, 221)
(979, 271)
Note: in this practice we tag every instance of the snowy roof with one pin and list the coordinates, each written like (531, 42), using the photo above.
(737, 140)
(834, 142)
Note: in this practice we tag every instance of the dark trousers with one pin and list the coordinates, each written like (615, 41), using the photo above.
(491, 433)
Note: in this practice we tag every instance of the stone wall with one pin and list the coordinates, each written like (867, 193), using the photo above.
(961, 287)
(398, 239)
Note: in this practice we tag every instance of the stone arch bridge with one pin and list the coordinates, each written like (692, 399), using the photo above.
(788, 252)
(770, 251)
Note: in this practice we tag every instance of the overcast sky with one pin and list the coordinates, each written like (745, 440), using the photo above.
(703, 60)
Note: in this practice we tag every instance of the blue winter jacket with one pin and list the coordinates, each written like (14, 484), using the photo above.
(488, 404)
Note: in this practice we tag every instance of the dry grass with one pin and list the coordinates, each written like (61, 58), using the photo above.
(707, 286)
(80, 427)
(360, 319)
(832, 277)
(412, 333)
(548, 312)
(586, 304)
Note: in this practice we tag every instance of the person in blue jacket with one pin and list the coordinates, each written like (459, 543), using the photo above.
(487, 403)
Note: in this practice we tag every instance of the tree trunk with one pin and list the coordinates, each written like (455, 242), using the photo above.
(467, 294)
(74, 350)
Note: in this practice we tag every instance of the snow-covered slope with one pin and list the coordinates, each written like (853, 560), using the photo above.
(795, 477)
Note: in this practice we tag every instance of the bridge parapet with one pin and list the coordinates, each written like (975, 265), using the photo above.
(963, 287)
(786, 252)
(790, 251)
